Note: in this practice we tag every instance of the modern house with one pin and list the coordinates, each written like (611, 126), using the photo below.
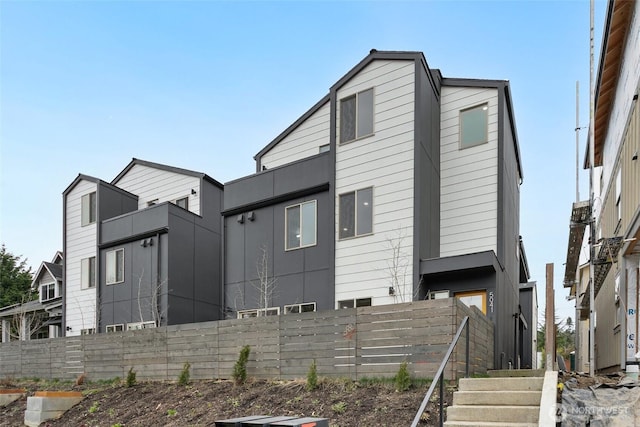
(143, 250)
(617, 191)
(41, 318)
(400, 184)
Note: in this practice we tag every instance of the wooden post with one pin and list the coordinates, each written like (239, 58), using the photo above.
(550, 325)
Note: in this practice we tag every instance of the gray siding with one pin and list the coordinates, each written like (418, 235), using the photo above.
(301, 275)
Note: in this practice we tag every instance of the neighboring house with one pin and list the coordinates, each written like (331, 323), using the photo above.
(41, 318)
(617, 194)
(398, 185)
(144, 250)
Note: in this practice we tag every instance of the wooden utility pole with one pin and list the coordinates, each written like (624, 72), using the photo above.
(550, 325)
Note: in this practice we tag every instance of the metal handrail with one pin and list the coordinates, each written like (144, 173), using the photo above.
(439, 377)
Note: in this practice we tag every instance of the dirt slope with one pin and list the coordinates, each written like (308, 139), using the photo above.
(201, 403)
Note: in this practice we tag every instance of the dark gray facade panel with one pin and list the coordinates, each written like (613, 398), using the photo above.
(319, 288)
(234, 252)
(181, 310)
(113, 202)
(202, 311)
(258, 236)
(181, 258)
(208, 285)
(211, 199)
(278, 182)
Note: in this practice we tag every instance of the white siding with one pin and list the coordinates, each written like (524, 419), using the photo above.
(150, 183)
(80, 306)
(46, 278)
(383, 161)
(469, 177)
(303, 142)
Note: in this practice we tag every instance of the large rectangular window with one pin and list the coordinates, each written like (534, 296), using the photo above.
(356, 116)
(115, 266)
(473, 126)
(300, 225)
(356, 213)
(88, 209)
(88, 272)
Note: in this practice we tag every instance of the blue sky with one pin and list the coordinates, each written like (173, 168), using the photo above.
(204, 85)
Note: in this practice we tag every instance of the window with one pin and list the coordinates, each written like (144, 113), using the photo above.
(324, 148)
(47, 292)
(357, 302)
(471, 298)
(356, 116)
(259, 312)
(438, 294)
(88, 272)
(140, 325)
(619, 194)
(88, 213)
(473, 126)
(300, 225)
(115, 266)
(115, 328)
(356, 213)
(88, 331)
(183, 203)
(300, 308)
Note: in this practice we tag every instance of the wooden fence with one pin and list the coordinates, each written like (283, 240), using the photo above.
(352, 343)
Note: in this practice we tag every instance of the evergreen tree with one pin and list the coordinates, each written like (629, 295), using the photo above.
(15, 279)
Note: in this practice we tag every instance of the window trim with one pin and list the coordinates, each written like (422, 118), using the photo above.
(92, 204)
(288, 308)
(355, 214)
(356, 95)
(485, 108)
(355, 302)
(106, 267)
(117, 327)
(186, 202)
(259, 312)
(88, 277)
(88, 331)
(286, 225)
(48, 285)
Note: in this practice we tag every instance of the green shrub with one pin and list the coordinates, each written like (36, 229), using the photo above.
(312, 376)
(240, 368)
(184, 377)
(131, 377)
(403, 379)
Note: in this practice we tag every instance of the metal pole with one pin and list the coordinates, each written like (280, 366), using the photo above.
(577, 140)
(550, 324)
(592, 226)
(441, 400)
(466, 375)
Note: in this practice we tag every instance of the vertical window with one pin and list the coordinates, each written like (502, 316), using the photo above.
(473, 126)
(115, 266)
(356, 116)
(619, 194)
(88, 272)
(356, 213)
(89, 208)
(183, 203)
(300, 225)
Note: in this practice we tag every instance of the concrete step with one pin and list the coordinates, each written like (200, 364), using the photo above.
(502, 414)
(497, 398)
(486, 424)
(500, 384)
(506, 373)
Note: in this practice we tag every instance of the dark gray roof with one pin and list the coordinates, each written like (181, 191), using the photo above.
(27, 307)
(160, 166)
(54, 269)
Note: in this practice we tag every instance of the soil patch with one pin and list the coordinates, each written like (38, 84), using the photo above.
(201, 403)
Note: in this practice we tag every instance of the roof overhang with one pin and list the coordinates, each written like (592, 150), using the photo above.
(617, 24)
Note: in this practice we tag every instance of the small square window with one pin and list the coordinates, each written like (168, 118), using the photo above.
(356, 116)
(473, 126)
(183, 203)
(324, 148)
(115, 266)
(88, 209)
